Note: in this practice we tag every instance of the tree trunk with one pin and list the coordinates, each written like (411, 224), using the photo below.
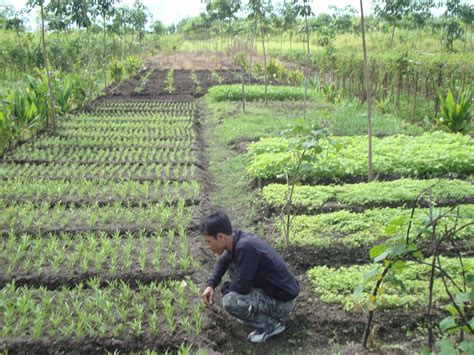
(415, 89)
(105, 53)
(89, 77)
(393, 35)
(264, 63)
(369, 99)
(46, 65)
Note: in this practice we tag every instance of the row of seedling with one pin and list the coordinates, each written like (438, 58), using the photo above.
(91, 311)
(129, 155)
(433, 153)
(337, 285)
(73, 171)
(378, 193)
(100, 190)
(126, 125)
(114, 142)
(354, 230)
(32, 217)
(117, 132)
(145, 105)
(165, 117)
(78, 256)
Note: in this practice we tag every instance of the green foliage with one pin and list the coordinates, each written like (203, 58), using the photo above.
(456, 114)
(257, 93)
(132, 65)
(169, 82)
(336, 285)
(116, 70)
(430, 154)
(354, 230)
(397, 192)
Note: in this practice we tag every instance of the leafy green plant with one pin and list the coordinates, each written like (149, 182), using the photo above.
(169, 82)
(132, 65)
(456, 114)
(116, 70)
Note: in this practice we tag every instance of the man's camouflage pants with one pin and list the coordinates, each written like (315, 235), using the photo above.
(256, 308)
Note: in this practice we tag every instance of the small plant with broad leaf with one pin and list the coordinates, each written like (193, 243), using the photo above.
(456, 114)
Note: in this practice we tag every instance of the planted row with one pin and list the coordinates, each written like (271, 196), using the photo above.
(114, 142)
(71, 171)
(31, 217)
(89, 155)
(116, 311)
(257, 93)
(355, 230)
(102, 191)
(138, 133)
(145, 105)
(431, 154)
(138, 116)
(66, 258)
(127, 125)
(337, 285)
(377, 193)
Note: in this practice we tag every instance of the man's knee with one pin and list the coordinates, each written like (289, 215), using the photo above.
(237, 304)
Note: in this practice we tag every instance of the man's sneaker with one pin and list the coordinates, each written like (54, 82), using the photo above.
(259, 336)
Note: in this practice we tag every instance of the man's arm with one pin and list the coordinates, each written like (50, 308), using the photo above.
(246, 266)
(219, 270)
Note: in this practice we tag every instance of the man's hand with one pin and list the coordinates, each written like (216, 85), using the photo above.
(207, 296)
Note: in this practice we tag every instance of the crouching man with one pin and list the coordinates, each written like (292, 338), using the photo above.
(261, 291)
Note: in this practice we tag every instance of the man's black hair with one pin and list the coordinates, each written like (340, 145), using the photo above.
(217, 222)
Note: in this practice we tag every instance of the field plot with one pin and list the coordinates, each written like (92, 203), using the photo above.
(96, 221)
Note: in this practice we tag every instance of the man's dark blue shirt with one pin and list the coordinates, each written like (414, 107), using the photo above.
(257, 265)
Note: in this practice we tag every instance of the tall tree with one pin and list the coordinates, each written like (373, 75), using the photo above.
(105, 9)
(83, 12)
(304, 9)
(258, 12)
(31, 4)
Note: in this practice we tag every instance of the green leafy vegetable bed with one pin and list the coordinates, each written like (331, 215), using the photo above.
(257, 93)
(431, 154)
(355, 230)
(397, 192)
(336, 285)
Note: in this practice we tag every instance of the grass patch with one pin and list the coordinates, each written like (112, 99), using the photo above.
(261, 120)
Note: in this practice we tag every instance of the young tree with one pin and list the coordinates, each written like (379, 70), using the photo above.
(41, 4)
(392, 11)
(139, 18)
(368, 91)
(289, 14)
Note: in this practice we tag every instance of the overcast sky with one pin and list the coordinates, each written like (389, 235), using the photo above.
(172, 11)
